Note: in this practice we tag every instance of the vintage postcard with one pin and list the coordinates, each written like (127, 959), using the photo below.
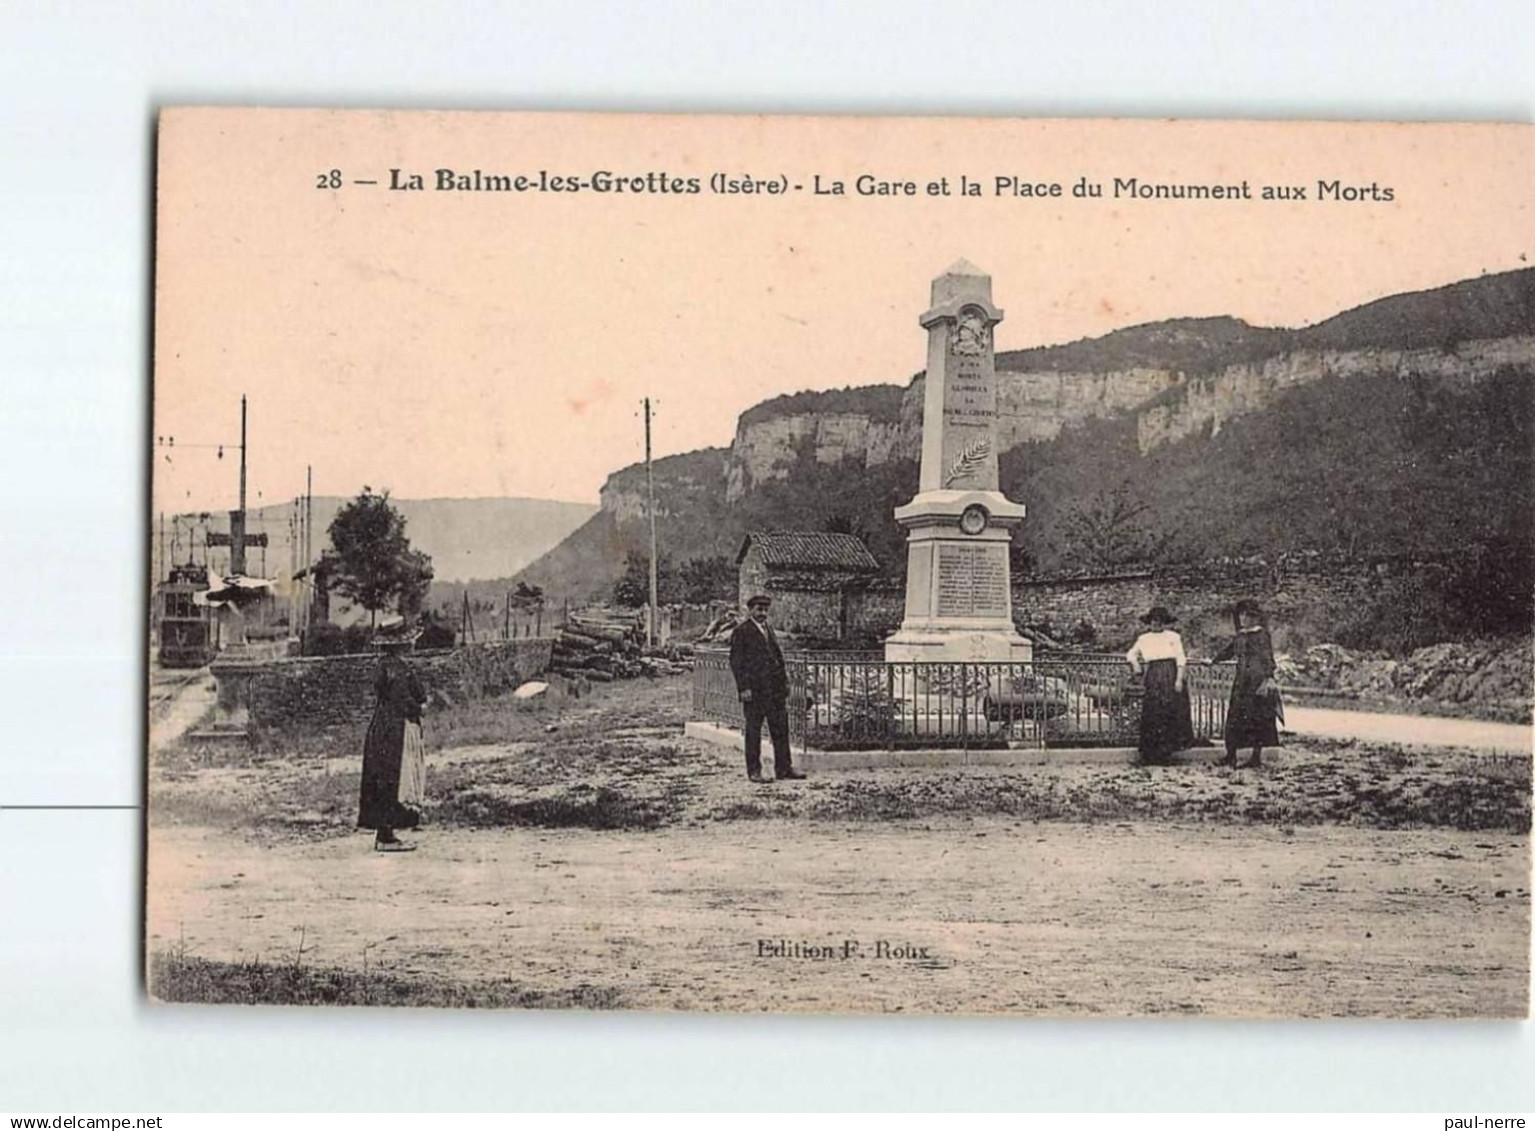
(841, 564)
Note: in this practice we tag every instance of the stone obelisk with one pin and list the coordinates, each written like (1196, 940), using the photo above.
(959, 602)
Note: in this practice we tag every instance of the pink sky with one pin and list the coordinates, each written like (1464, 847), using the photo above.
(456, 344)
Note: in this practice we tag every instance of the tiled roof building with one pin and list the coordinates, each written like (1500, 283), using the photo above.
(816, 580)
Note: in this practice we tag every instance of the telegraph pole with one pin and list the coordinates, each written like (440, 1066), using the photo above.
(308, 542)
(242, 453)
(237, 520)
(650, 508)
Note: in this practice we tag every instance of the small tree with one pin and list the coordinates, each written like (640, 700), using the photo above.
(375, 565)
(527, 596)
(633, 589)
(842, 524)
(1110, 529)
(708, 579)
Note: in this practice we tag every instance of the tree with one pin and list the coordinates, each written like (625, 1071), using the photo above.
(527, 596)
(375, 565)
(1107, 529)
(632, 590)
(842, 524)
(708, 579)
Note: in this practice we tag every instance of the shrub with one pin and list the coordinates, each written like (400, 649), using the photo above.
(333, 640)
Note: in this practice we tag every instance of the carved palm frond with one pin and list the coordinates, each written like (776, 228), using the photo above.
(969, 460)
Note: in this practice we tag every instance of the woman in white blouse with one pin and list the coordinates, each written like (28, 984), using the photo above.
(1166, 721)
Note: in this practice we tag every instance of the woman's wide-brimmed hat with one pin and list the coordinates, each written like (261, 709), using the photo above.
(402, 642)
(1247, 605)
(1158, 614)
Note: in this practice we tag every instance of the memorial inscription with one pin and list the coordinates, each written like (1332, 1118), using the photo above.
(972, 580)
(972, 398)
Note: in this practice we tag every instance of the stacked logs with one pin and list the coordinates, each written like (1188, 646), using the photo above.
(598, 645)
(603, 646)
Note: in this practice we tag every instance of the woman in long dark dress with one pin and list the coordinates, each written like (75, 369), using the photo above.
(1254, 706)
(1167, 723)
(396, 720)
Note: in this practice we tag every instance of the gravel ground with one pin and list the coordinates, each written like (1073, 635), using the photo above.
(609, 860)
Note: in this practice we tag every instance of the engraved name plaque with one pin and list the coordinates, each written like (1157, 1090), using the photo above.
(972, 580)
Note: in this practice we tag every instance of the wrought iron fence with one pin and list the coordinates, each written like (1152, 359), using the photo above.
(714, 688)
(715, 698)
(1209, 690)
(844, 701)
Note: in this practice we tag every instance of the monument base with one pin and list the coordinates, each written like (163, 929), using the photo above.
(948, 643)
(958, 593)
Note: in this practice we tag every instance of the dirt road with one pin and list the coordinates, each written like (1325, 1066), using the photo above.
(1422, 730)
(977, 916)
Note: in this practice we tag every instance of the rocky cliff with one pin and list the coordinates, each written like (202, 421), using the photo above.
(1204, 403)
(766, 449)
(1176, 379)
(795, 459)
(685, 484)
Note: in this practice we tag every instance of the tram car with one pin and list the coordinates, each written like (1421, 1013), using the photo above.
(186, 626)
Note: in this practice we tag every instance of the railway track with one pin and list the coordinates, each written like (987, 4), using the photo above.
(163, 693)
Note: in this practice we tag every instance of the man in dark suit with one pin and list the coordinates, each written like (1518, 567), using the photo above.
(762, 681)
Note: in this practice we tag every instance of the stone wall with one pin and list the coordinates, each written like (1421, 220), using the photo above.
(812, 613)
(1303, 588)
(330, 691)
(824, 605)
(751, 575)
(1300, 589)
(876, 612)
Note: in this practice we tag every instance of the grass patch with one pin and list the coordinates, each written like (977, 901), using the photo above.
(740, 811)
(480, 722)
(574, 809)
(1375, 787)
(279, 798)
(179, 978)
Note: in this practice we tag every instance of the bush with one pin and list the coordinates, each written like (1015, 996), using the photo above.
(435, 635)
(333, 640)
(1488, 592)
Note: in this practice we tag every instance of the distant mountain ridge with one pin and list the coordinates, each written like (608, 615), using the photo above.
(1169, 387)
(467, 539)
(1490, 306)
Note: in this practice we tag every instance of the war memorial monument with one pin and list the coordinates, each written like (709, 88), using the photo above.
(958, 588)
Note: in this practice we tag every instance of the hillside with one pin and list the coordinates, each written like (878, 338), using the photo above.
(1492, 306)
(877, 402)
(1376, 464)
(1489, 307)
(1402, 425)
(692, 520)
(1189, 344)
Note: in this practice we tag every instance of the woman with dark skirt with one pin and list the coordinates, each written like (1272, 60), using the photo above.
(1254, 706)
(1167, 723)
(393, 762)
